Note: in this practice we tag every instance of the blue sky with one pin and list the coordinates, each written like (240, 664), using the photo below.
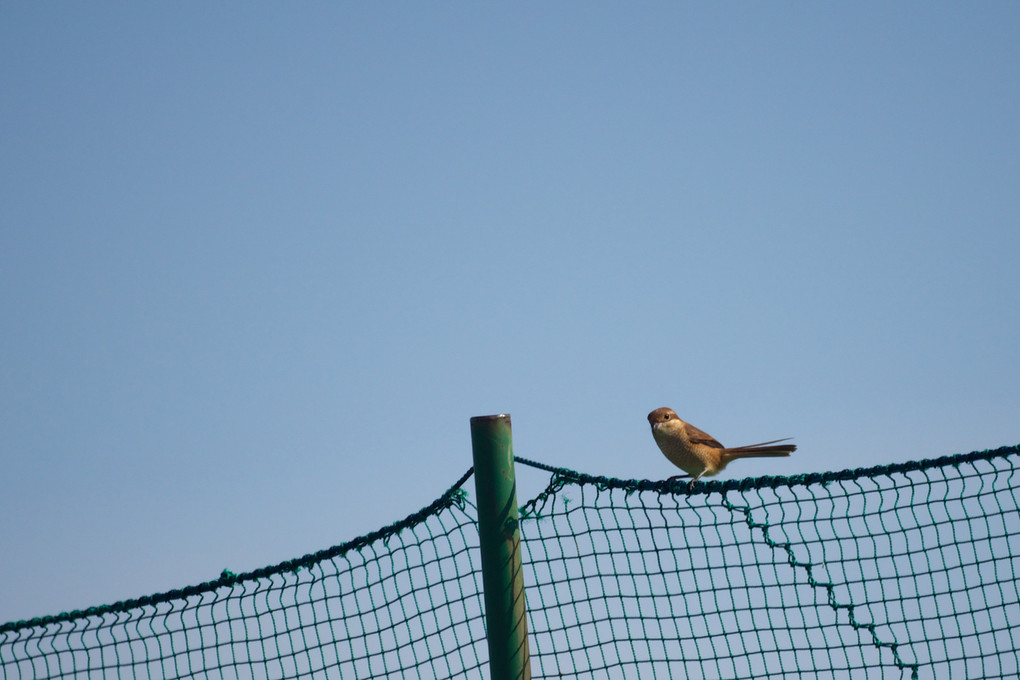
(259, 265)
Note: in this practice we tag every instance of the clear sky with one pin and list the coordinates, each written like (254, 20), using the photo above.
(260, 264)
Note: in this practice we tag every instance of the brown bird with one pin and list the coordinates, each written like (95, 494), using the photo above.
(698, 453)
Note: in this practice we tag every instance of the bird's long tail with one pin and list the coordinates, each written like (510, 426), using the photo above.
(763, 450)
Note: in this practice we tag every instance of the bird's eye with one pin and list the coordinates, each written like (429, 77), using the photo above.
(665, 416)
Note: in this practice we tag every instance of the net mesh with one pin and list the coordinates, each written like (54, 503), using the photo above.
(405, 601)
(896, 572)
(902, 571)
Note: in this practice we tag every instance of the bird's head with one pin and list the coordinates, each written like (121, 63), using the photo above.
(662, 415)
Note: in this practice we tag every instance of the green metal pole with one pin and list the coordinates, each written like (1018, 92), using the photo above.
(500, 540)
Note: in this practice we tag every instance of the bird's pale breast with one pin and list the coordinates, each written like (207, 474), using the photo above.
(678, 450)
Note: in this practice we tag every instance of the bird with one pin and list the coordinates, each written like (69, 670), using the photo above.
(698, 453)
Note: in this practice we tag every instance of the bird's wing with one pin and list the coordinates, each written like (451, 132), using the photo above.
(701, 437)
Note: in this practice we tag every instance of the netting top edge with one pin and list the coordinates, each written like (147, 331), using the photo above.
(452, 497)
(772, 481)
(453, 494)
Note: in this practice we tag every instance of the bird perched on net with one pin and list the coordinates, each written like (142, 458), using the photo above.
(699, 454)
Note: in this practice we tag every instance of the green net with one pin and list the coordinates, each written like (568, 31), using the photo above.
(404, 601)
(903, 571)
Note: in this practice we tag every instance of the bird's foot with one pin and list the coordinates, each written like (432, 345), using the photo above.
(690, 486)
(676, 477)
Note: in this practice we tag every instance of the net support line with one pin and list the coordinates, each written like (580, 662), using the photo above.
(830, 588)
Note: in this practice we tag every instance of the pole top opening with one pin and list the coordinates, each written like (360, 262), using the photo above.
(498, 416)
